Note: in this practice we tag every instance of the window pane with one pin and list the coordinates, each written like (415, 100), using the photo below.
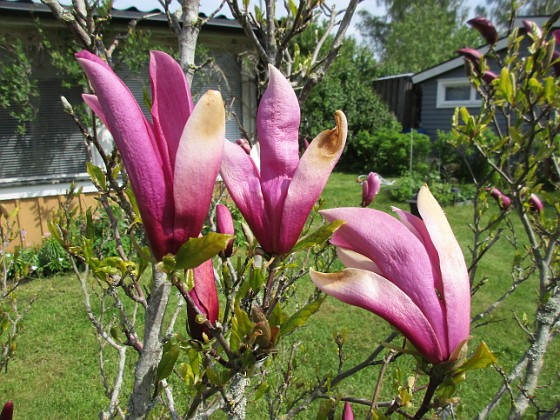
(457, 93)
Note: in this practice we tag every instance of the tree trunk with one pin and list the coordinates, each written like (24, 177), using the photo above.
(140, 401)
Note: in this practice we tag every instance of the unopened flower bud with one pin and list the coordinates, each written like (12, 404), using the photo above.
(67, 105)
(224, 224)
(244, 144)
(370, 188)
(485, 28)
(470, 54)
(8, 411)
(347, 413)
(503, 200)
(532, 28)
(535, 203)
(489, 76)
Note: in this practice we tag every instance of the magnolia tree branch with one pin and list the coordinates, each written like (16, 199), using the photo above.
(140, 401)
(74, 21)
(546, 317)
(322, 69)
(114, 391)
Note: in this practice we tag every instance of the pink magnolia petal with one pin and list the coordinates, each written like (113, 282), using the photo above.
(375, 293)
(93, 103)
(241, 178)
(205, 296)
(278, 119)
(171, 103)
(86, 55)
(455, 278)
(418, 228)
(134, 138)
(352, 259)
(399, 254)
(197, 164)
(310, 178)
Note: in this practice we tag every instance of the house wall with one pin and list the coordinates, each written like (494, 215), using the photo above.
(35, 211)
(432, 118)
(36, 168)
(397, 93)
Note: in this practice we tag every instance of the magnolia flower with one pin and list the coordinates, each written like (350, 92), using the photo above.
(205, 297)
(503, 200)
(173, 160)
(485, 28)
(370, 188)
(224, 224)
(276, 199)
(410, 272)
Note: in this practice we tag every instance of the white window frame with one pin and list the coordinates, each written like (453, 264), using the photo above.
(442, 84)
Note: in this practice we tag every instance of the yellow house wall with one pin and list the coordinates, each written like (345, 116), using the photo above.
(35, 212)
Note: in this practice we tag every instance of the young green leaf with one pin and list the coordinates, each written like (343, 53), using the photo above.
(167, 362)
(197, 250)
(300, 317)
(319, 236)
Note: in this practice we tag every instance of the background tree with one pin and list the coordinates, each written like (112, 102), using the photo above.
(354, 70)
(271, 37)
(500, 10)
(395, 39)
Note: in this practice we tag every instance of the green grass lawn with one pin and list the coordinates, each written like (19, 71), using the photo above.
(55, 372)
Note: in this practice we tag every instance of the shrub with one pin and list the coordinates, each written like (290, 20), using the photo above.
(445, 192)
(387, 151)
(52, 257)
(455, 162)
(23, 262)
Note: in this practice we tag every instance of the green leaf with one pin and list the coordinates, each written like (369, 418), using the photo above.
(90, 229)
(97, 175)
(549, 89)
(197, 250)
(293, 7)
(260, 391)
(256, 279)
(241, 326)
(300, 317)
(319, 236)
(167, 362)
(481, 359)
(218, 377)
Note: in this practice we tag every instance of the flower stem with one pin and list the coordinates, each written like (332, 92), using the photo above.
(435, 381)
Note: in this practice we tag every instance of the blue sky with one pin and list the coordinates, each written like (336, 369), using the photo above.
(207, 6)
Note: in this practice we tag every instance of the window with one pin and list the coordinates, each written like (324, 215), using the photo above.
(456, 92)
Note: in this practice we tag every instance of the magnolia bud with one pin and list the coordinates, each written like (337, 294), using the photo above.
(347, 413)
(244, 144)
(532, 28)
(485, 28)
(370, 188)
(503, 200)
(8, 411)
(535, 203)
(67, 106)
(224, 224)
